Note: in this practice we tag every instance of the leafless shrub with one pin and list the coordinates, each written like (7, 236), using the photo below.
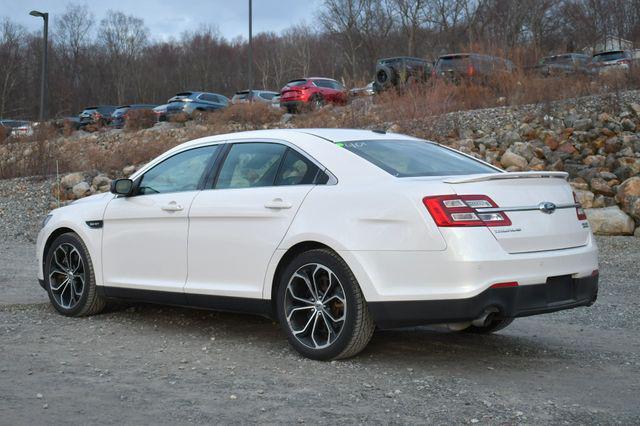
(138, 119)
(181, 118)
(247, 115)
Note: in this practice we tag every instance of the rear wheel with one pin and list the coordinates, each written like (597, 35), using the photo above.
(321, 307)
(317, 101)
(69, 277)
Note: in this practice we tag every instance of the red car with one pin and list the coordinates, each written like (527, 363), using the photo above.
(311, 93)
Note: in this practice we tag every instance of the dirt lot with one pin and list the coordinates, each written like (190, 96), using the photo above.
(143, 363)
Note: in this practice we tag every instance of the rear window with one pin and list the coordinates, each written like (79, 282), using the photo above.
(295, 83)
(407, 158)
(557, 59)
(608, 56)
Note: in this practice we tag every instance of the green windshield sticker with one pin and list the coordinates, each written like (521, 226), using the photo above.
(340, 144)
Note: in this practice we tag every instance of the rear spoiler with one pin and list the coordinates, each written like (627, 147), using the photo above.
(508, 175)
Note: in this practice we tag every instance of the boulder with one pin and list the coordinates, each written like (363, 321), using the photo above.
(101, 180)
(582, 124)
(513, 160)
(610, 221)
(81, 189)
(128, 170)
(70, 180)
(628, 196)
(635, 108)
(600, 186)
(628, 125)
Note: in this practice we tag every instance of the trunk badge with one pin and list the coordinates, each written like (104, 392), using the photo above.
(547, 207)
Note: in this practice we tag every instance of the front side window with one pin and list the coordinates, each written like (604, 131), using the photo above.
(250, 165)
(407, 158)
(178, 173)
(296, 170)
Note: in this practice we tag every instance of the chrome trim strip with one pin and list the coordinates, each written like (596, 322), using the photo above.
(524, 208)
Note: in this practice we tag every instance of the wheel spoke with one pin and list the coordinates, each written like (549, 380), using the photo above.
(308, 283)
(299, 299)
(330, 330)
(313, 329)
(306, 326)
(59, 286)
(294, 310)
(331, 317)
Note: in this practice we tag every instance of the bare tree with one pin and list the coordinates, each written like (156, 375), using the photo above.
(123, 37)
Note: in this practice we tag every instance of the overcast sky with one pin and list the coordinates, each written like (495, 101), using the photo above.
(169, 18)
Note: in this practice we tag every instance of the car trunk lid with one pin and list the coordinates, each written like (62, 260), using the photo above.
(540, 206)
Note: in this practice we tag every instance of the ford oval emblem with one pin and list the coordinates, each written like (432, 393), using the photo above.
(547, 207)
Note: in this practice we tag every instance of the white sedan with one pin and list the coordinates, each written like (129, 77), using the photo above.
(332, 232)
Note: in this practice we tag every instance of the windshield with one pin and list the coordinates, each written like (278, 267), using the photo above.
(608, 56)
(407, 158)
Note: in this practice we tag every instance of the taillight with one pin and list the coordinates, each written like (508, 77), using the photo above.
(579, 210)
(505, 285)
(461, 210)
(470, 70)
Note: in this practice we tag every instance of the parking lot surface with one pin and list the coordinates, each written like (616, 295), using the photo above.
(154, 364)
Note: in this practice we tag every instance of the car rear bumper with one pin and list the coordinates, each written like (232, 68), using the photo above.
(511, 302)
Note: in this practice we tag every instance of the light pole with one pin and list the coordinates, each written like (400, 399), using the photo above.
(250, 53)
(45, 42)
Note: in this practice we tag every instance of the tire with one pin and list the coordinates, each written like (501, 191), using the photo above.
(385, 76)
(77, 266)
(307, 323)
(316, 102)
(493, 326)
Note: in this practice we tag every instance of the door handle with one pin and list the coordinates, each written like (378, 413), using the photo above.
(277, 204)
(172, 207)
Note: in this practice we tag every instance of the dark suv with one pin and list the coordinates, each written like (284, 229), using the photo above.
(188, 102)
(100, 115)
(119, 116)
(401, 70)
(567, 63)
(471, 66)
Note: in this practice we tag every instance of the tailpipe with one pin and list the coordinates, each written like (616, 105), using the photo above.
(487, 316)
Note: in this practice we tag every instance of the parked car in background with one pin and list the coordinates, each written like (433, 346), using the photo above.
(161, 112)
(399, 71)
(100, 115)
(614, 60)
(312, 93)
(242, 96)
(564, 64)
(119, 116)
(17, 127)
(471, 66)
(367, 90)
(189, 102)
(275, 102)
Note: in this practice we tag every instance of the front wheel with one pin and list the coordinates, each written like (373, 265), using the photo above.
(321, 307)
(70, 281)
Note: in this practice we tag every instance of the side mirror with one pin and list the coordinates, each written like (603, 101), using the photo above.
(122, 187)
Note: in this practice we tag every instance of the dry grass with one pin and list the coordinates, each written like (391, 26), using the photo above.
(138, 119)
(246, 116)
(4, 134)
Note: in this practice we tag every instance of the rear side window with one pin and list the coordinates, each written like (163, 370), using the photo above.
(296, 170)
(407, 158)
(250, 165)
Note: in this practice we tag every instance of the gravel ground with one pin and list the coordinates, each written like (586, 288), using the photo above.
(144, 363)
(24, 202)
